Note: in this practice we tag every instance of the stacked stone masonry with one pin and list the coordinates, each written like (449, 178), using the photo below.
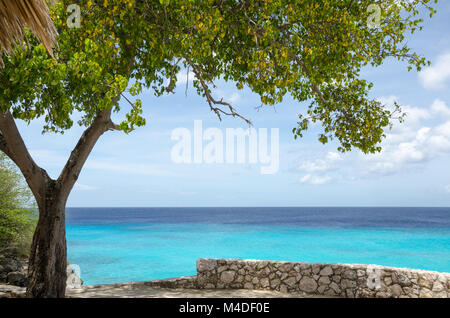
(338, 280)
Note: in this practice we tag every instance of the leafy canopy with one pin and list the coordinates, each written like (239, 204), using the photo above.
(311, 49)
(17, 211)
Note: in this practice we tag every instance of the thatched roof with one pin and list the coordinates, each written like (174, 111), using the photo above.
(17, 14)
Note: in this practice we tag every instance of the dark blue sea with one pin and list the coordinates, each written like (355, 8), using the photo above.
(136, 244)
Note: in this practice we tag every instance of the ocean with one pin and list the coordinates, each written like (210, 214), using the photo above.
(112, 245)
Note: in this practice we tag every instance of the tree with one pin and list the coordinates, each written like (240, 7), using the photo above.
(313, 51)
(17, 216)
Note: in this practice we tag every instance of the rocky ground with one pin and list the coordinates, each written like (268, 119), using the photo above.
(13, 271)
(142, 291)
(13, 281)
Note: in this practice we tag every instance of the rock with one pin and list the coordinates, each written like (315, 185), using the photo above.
(204, 265)
(438, 287)
(321, 289)
(264, 282)
(442, 294)
(381, 295)
(274, 283)
(425, 293)
(10, 265)
(286, 267)
(262, 264)
(424, 282)
(290, 281)
(17, 279)
(202, 280)
(336, 278)
(388, 281)
(248, 286)
(330, 292)
(350, 293)
(403, 280)
(396, 290)
(227, 277)
(324, 280)
(315, 268)
(335, 287)
(221, 269)
(326, 271)
(349, 274)
(348, 283)
(307, 284)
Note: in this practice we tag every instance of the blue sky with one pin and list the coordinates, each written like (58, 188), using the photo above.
(412, 170)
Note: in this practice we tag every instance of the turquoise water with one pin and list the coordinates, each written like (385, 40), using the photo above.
(121, 252)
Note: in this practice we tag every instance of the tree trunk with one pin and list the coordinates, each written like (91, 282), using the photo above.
(48, 259)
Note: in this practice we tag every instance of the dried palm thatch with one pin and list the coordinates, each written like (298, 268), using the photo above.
(17, 14)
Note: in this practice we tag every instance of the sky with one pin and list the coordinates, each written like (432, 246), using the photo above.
(138, 170)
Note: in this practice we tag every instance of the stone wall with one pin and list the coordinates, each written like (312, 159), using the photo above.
(342, 280)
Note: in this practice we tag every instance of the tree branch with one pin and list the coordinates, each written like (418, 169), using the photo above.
(302, 65)
(12, 144)
(80, 153)
(210, 99)
(171, 85)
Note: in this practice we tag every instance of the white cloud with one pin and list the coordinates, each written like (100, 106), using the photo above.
(322, 164)
(424, 136)
(440, 108)
(413, 142)
(227, 96)
(316, 168)
(183, 77)
(315, 180)
(436, 76)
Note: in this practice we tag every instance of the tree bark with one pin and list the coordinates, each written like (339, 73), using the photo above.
(48, 259)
